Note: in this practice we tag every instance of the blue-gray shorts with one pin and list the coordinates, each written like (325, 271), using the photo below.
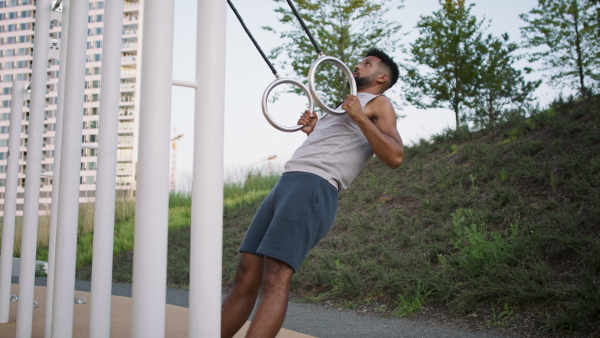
(292, 219)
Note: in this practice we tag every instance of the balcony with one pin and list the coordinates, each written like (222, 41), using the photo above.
(128, 60)
(129, 19)
(130, 32)
(131, 7)
(129, 47)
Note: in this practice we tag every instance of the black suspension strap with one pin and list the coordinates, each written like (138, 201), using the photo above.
(321, 59)
(275, 83)
(252, 38)
(312, 39)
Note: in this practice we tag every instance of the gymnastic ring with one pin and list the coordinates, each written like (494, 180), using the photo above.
(312, 85)
(265, 109)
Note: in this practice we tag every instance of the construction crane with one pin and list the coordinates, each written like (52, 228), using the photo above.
(269, 160)
(174, 140)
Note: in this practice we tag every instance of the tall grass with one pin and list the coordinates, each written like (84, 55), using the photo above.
(255, 186)
(43, 234)
(124, 211)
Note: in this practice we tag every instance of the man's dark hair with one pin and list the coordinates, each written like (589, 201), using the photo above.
(388, 62)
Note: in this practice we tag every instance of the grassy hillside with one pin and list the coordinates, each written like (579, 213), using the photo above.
(496, 229)
(500, 225)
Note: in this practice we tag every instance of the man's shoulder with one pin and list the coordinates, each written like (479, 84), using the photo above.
(379, 105)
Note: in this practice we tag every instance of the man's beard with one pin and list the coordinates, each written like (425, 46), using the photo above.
(363, 81)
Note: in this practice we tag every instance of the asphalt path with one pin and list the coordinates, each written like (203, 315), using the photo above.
(319, 321)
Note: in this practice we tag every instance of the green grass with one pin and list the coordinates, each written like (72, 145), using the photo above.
(499, 224)
(506, 215)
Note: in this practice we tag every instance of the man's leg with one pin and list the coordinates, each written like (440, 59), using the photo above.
(240, 301)
(272, 308)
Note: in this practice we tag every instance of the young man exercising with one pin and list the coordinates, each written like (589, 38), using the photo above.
(301, 208)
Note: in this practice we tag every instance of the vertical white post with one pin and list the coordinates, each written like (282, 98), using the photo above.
(104, 213)
(56, 171)
(68, 202)
(152, 197)
(10, 197)
(33, 172)
(207, 191)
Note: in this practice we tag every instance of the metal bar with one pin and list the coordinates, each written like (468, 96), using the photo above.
(104, 212)
(207, 190)
(56, 172)
(152, 198)
(182, 83)
(68, 202)
(10, 197)
(31, 203)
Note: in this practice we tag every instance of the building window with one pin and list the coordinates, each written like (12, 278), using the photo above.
(124, 153)
(125, 125)
(124, 166)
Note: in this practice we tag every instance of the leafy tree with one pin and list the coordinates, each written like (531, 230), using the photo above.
(448, 55)
(567, 32)
(344, 29)
(594, 6)
(500, 84)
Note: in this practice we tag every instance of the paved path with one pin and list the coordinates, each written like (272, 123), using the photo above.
(318, 321)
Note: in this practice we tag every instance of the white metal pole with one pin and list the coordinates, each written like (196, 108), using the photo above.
(152, 197)
(207, 191)
(68, 202)
(10, 197)
(31, 203)
(56, 171)
(104, 212)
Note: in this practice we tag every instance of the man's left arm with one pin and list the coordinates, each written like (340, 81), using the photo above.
(378, 124)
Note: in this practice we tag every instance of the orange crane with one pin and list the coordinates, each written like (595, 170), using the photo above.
(269, 160)
(174, 140)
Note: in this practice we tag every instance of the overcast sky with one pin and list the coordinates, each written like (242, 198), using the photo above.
(248, 136)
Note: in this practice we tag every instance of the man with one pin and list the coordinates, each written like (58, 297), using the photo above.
(301, 208)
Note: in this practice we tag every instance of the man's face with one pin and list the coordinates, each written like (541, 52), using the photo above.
(366, 71)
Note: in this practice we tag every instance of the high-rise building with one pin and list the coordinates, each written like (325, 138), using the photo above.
(16, 47)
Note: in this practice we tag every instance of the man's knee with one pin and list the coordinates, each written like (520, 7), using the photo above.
(249, 271)
(277, 274)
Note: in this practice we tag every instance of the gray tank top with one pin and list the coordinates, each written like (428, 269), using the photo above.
(336, 150)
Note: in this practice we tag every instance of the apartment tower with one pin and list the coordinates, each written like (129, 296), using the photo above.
(16, 46)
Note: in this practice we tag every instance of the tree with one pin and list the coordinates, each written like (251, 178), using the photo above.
(344, 29)
(567, 32)
(500, 84)
(596, 3)
(447, 56)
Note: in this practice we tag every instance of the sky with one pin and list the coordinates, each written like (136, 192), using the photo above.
(249, 138)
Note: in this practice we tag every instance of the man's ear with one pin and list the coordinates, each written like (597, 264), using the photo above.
(382, 78)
